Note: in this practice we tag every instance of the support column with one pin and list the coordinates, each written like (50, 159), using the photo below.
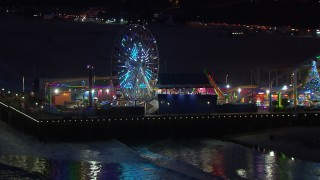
(270, 93)
(295, 93)
(90, 68)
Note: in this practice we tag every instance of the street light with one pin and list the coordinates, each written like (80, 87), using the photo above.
(227, 85)
(291, 83)
(227, 79)
(268, 91)
(285, 87)
(267, 97)
(90, 69)
(56, 91)
(239, 91)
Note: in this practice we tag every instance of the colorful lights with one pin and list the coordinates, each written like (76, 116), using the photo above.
(134, 53)
(312, 86)
(135, 62)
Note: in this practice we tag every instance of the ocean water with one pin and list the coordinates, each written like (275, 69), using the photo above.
(232, 161)
(24, 157)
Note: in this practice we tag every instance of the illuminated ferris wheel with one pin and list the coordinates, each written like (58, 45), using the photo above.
(135, 62)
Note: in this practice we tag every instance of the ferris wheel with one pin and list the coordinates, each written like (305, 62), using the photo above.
(135, 63)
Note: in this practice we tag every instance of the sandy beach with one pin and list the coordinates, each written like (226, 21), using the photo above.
(299, 142)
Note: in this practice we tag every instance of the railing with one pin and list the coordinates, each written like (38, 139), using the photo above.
(19, 112)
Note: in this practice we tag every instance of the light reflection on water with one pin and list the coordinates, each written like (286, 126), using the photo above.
(229, 160)
(222, 159)
(65, 169)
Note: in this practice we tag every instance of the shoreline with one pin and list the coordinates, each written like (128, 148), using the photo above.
(301, 143)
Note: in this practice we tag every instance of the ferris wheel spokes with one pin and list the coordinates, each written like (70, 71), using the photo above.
(135, 62)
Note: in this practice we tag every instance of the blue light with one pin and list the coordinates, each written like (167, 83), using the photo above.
(143, 86)
(134, 53)
(125, 78)
(148, 77)
(135, 68)
(128, 86)
(148, 73)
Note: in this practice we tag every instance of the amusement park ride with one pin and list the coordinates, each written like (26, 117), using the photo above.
(135, 69)
(135, 65)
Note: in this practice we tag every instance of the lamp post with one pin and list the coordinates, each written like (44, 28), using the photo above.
(295, 93)
(227, 99)
(227, 79)
(267, 96)
(270, 96)
(90, 68)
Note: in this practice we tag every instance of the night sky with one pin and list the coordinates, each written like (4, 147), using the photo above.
(38, 48)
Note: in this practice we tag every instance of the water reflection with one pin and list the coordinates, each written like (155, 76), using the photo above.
(230, 160)
(65, 169)
(222, 159)
(95, 168)
(242, 173)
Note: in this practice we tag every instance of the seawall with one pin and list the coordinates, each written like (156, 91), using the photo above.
(128, 127)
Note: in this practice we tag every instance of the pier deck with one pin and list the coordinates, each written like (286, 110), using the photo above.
(152, 126)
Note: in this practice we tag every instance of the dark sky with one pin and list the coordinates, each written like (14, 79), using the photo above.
(300, 13)
(297, 13)
(38, 48)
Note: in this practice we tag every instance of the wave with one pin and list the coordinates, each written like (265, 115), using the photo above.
(98, 158)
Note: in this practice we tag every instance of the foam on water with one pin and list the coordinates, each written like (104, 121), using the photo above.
(233, 161)
(23, 156)
(108, 159)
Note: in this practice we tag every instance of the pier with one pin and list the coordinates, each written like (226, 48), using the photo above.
(152, 126)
